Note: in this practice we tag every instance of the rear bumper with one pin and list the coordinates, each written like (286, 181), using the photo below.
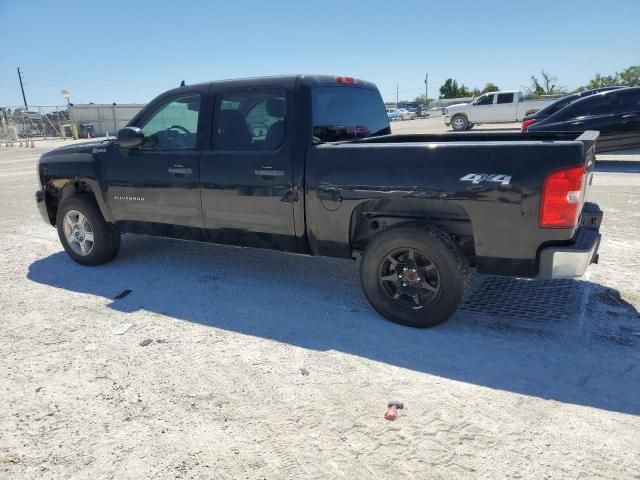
(569, 261)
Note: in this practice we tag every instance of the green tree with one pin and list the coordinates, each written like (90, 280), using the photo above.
(600, 81)
(490, 87)
(545, 85)
(422, 100)
(463, 91)
(449, 89)
(631, 76)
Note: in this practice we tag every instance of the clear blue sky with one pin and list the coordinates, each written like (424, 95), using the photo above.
(129, 51)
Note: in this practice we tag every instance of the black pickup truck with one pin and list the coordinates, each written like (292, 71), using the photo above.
(308, 164)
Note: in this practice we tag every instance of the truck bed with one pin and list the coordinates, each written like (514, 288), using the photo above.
(485, 187)
(475, 137)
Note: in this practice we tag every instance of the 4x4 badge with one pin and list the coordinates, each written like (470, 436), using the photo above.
(476, 178)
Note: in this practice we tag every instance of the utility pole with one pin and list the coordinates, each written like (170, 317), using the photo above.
(22, 88)
(426, 90)
(397, 99)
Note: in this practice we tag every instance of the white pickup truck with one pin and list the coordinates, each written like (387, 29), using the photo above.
(494, 107)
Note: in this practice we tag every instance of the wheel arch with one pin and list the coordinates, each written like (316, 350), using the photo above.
(59, 190)
(373, 216)
(460, 114)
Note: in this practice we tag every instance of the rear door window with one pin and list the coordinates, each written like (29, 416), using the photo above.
(348, 112)
(595, 105)
(252, 119)
(505, 98)
(628, 101)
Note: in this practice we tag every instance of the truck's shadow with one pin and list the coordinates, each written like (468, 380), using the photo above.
(316, 303)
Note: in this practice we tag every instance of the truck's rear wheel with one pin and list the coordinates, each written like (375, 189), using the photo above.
(459, 123)
(414, 274)
(85, 235)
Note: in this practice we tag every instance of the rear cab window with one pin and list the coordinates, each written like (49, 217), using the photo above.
(558, 105)
(347, 112)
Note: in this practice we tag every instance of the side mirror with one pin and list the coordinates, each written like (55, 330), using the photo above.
(130, 137)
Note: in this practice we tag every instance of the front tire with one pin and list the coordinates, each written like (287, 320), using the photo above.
(459, 123)
(414, 274)
(85, 235)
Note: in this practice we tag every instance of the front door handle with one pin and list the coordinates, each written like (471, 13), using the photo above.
(630, 115)
(577, 123)
(180, 171)
(269, 171)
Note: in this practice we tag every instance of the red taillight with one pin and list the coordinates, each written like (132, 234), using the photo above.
(561, 196)
(347, 80)
(526, 123)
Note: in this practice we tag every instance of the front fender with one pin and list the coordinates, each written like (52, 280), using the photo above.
(67, 172)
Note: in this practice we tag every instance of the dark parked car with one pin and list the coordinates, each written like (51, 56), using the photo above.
(307, 164)
(615, 114)
(560, 104)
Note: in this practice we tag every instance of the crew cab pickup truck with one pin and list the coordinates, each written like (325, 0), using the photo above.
(494, 107)
(307, 164)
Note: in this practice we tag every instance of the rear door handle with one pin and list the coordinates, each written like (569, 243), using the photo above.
(269, 171)
(630, 115)
(577, 123)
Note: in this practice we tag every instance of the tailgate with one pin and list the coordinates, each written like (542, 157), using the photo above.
(589, 139)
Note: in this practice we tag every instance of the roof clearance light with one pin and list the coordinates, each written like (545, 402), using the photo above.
(346, 80)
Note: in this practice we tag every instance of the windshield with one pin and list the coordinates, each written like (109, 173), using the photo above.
(348, 112)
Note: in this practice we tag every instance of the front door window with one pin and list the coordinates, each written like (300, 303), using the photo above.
(174, 125)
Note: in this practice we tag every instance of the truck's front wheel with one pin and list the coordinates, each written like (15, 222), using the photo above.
(85, 235)
(414, 274)
(459, 123)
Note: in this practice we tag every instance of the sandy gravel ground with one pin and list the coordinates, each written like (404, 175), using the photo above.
(243, 364)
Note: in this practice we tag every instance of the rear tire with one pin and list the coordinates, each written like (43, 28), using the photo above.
(459, 123)
(85, 235)
(420, 289)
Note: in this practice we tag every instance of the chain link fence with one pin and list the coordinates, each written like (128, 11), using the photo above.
(52, 121)
(36, 121)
